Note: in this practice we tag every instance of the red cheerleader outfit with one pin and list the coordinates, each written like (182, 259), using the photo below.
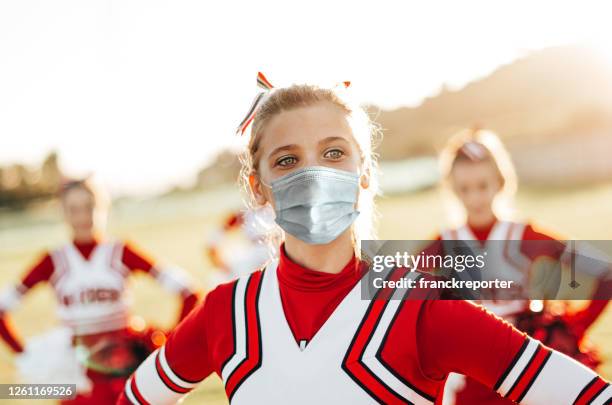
(89, 281)
(292, 335)
(519, 260)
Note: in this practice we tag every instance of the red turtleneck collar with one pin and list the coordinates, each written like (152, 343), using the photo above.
(85, 248)
(296, 276)
(482, 232)
(309, 297)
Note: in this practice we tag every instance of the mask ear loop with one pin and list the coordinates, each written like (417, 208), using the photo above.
(264, 183)
(261, 181)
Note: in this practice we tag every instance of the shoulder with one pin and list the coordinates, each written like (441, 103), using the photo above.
(131, 256)
(42, 270)
(441, 318)
(114, 247)
(448, 312)
(537, 232)
(122, 245)
(211, 318)
(441, 321)
(45, 257)
(57, 251)
(537, 243)
(433, 246)
(224, 295)
(208, 331)
(448, 234)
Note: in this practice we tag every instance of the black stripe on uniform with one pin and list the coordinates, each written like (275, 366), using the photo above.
(609, 401)
(233, 325)
(246, 330)
(586, 388)
(512, 364)
(388, 367)
(520, 376)
(260, 347)
(535, 377)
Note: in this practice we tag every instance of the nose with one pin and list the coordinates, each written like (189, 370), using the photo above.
(311, 159)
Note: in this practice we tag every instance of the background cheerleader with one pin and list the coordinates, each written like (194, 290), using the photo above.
(88, 277)
(478, 171)
(240, 244)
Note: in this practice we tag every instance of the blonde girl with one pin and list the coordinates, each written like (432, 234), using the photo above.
(298, 331)
(480, 183)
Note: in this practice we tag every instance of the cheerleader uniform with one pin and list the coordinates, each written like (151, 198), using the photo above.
(508, 246)
(289, 334)
(89, 281)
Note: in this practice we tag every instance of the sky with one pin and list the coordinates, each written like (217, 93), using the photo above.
(143, 93)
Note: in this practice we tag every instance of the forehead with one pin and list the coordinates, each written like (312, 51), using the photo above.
(466, 171)
(306, 126)
(77, 195)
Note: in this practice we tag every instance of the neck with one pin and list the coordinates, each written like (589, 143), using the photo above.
(481, 220)
(84, 238)
(327, 258)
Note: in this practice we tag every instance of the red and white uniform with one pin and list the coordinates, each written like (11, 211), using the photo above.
(90, 292)
(239, 259)
(505, 258)
(514, 261)
(89, 281)
(294, 335)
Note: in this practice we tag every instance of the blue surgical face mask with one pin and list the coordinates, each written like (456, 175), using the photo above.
(316, 204)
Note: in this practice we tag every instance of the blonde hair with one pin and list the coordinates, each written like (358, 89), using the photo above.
(365, 132)
(91, 186)
(479, 145)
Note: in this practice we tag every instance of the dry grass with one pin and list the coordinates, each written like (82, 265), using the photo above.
(175, 228)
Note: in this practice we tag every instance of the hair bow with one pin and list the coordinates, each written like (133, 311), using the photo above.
(265, 87)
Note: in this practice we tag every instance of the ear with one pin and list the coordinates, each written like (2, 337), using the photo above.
(256, 188)
(452, 185)
(502, 183)
(364, 180)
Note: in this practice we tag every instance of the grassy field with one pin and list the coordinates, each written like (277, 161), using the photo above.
(175, 229)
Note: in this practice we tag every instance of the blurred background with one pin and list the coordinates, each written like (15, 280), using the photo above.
(147, 95)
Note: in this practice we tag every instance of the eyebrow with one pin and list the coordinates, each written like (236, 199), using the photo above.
(281, 149)
(330, 139)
